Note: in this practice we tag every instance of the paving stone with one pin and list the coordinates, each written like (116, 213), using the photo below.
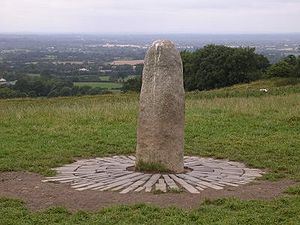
(108, 181)
(139, 189)
(83, 184)
(161, 185)
(199, 188)
(58, 179)
(172, 185)
(193, 163)
(205, 183)
(113, 185)
(203, 169)
(133, 186)
(154, 178)
(110, 173)
(202, 186)
(184, 184)
(228, 183)
(90, 186)
(122, 186)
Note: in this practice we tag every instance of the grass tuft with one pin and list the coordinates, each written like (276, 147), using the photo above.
(150, 167)
(294, 190)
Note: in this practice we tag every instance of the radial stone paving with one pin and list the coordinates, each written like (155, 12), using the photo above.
(112, 174)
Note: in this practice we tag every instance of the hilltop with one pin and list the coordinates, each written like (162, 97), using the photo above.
(239, 123)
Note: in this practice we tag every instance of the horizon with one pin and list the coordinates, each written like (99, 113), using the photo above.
(131, 33)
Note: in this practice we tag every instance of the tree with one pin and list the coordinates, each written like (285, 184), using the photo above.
(291, 60)
(139, 69)
(287, 67)
(133, 84)
(280, 69)
(65, 91)
(40, 86)
(216, 66)
(6, 92)
(297, 67)
(95, 91)
(53, 93)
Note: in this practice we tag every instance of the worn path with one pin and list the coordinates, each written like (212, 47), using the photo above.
(38, 195)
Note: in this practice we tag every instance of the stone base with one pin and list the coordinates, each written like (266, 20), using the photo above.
(112, 174)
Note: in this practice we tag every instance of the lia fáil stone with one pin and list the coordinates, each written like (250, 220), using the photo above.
(160, 134)
(160, 142)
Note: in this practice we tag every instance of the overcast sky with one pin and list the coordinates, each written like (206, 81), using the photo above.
(150, 16)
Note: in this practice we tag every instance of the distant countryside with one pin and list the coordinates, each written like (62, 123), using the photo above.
(103, 85)
(64, 65)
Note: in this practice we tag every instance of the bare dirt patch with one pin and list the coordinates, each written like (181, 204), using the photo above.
(37, 195)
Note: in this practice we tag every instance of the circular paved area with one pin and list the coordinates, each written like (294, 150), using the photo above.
(112, 174)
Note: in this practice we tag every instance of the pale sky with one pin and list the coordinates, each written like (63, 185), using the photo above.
(150, 16)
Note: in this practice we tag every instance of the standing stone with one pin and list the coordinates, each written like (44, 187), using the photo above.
(160, 134)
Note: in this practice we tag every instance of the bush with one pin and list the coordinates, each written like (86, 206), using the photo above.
(53, 93)
(65, 91)
(95, 91)
(280, 69)
(216, 66)
(40, 86)
(46, 87)
(133, 84)
(7, 93)
(287, 67)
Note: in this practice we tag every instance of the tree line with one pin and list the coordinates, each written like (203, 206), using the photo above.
(214, 66)
(217, 66)
(46, 87)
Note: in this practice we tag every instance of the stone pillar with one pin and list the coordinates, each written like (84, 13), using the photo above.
(160, 133)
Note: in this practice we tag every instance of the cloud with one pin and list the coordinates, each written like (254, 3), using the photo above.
(148, 16)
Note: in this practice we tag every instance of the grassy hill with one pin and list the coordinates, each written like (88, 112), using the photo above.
(274, 86)
(260, 129)
(238, 123)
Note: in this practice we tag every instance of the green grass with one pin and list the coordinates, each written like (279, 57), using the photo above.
(295, 190)
(38, 134)
(104, 78)
(106, 85)
(275, 86)
(284, 211)
(259, 130)
(150, 167)
(132, 77)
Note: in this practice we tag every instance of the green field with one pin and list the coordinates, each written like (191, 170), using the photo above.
(104, 85)
(104, 78)
(238, 123)
(132, 77)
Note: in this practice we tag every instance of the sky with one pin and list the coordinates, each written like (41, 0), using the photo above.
(150, 16)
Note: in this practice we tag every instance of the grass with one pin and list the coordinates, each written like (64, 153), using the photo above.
(261, 130)
(39, 134)
(104, 85)
(295, 190)
(275, 86)
(104, 78)
(150, 167)
(284, 211)
(132, 77)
